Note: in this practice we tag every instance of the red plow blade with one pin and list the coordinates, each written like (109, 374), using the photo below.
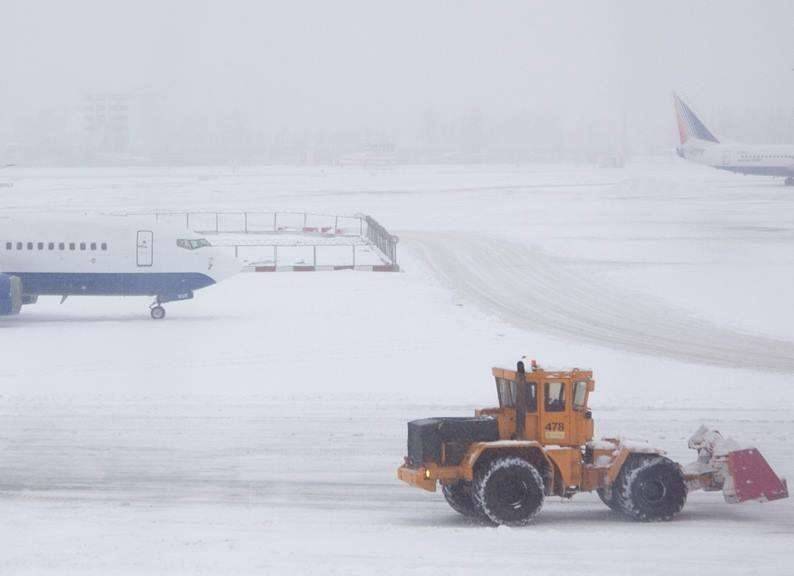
(753, 478)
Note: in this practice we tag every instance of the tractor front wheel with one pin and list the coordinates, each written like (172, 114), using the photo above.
(458, 496)
(651, 490)
(607, 496)
(509, 491)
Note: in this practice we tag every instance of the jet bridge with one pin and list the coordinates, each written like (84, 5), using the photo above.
(294, 241)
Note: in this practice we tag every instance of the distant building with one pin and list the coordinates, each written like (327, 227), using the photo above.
(373, 154)
(106, 124)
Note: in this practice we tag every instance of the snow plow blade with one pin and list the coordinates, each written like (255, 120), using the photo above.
(741, 473)
(752, 478)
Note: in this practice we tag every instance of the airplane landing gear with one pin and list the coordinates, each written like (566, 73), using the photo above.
(156, 310)
(790, 181)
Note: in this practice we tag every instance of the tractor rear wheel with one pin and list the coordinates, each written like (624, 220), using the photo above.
(458, 496)
(651, 490)
(509, 491)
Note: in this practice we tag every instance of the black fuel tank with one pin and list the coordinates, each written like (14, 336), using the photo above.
(426, 436)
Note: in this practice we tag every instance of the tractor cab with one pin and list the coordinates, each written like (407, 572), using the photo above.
(549, 407)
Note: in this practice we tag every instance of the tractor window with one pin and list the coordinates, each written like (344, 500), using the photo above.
(532, 397)
(555, 397)
(508, 390)
(580, 395)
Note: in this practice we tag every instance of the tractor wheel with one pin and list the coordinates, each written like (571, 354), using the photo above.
(607, 496)
(508, 491)
(459, 497)
(650, 490)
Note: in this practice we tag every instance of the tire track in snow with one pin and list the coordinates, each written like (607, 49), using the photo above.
(536, 292)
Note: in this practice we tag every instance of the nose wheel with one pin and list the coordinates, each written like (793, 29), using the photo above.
(157, 311)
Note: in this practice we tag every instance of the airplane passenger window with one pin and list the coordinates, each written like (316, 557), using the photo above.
(61, 246)
(9, 245)
(104, 246)
(71, 245)
(40, 246)
(82, 245)
(30, 245)
(93, 245)
(19, 245)
(51, 246)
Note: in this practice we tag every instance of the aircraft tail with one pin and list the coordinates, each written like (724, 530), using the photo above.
(689, 125)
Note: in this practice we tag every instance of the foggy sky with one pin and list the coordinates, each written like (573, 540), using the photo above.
(369, 65)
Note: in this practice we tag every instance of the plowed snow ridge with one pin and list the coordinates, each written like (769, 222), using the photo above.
(535, 291)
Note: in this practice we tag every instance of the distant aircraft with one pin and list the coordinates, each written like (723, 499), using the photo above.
(107, 256)
(699, 145)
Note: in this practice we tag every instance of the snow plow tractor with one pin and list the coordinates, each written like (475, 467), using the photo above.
(500, 464)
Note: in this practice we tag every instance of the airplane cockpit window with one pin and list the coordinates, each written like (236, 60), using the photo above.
(193, 244)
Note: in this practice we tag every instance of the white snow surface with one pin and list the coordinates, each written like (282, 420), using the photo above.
(257, 430)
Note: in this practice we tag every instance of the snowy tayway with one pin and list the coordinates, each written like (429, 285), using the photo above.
(258, 428)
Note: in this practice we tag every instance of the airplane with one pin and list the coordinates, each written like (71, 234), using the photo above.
(104, 256)
(699, 145)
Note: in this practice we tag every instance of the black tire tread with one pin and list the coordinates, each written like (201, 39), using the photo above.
(459, 497)
(481, 481)
(626, 483)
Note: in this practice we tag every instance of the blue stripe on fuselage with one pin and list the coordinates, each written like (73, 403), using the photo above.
(760, 170)
(111, 284)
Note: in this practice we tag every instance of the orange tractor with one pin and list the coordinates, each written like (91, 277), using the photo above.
(500, 464)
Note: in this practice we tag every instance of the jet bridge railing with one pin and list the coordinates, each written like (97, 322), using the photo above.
(264, 222)
(274, 241)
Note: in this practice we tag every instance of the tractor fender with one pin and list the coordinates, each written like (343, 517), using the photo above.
(530, 450)
(624, 451)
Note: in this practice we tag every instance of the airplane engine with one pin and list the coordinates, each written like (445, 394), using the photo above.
(10, 295)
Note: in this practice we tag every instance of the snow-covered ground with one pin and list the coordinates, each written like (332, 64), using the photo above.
(258, 428)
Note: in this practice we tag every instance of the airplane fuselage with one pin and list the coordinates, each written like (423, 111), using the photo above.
(109, 256)
(743, 159)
